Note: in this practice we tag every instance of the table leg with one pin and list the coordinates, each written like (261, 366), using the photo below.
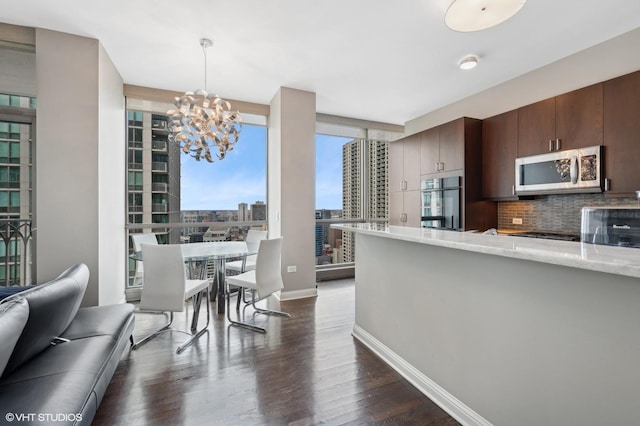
(220, 281)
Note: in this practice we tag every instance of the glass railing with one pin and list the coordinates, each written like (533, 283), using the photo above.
(192, 232)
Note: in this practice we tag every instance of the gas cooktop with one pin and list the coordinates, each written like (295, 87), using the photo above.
(547, 236)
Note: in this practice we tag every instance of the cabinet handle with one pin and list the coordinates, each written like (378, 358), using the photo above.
(607, 185)
(550, 145)
(557, 144)
(513, 190)
(403, 217)
(441, 166)
(403, 185)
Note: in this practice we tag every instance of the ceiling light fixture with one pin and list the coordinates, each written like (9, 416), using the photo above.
(476, 15)
(203, 122)
(468, 62)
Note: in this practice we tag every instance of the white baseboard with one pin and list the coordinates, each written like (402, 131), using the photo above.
(296, 294)
(431, 389)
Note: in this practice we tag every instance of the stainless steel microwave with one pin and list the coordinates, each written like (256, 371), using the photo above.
(573, 170)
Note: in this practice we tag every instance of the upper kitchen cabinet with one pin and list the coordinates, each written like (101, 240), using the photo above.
(571, 120)
(536, 128)
(622, 134)
(443, 147)
(404, 164)
(499, 150)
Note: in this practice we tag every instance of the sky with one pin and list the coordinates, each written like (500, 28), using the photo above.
(241, 176)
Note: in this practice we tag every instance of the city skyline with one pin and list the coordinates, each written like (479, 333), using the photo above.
(241, 176)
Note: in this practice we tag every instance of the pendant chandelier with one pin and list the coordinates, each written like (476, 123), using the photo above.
(202, 122)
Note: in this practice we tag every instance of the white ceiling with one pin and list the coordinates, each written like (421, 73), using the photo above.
(379, 60)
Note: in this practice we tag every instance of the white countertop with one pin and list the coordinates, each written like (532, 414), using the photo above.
(608, 259)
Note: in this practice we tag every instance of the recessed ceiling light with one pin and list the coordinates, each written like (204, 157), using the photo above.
(468, 62)
(476, 15)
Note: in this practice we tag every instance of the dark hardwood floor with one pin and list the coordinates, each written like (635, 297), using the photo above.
(307, 370)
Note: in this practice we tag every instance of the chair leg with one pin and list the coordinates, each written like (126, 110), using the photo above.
(197, 302)
(240, 323)
(164, 328)
(266, 311)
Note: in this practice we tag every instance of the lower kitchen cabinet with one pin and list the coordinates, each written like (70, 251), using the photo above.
(404, 208)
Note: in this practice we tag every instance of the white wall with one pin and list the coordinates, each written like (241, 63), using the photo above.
(291, 187)
(112, 168)
(80, 163)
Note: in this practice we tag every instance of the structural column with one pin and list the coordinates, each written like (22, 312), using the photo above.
(291, 188)
(80, 157)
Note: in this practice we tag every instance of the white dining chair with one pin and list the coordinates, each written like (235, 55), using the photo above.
(262, 281)
(166, 289)
(248, 262)
(137, 240)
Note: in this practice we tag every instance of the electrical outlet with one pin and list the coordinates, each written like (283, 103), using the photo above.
(292, 268)
(516, 221)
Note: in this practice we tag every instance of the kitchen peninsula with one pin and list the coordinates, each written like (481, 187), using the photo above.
(503, 330)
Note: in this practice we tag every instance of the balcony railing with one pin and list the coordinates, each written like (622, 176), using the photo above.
(159, 146)
(159, 166)
(159, 208)
(15, 252)
(160, 187)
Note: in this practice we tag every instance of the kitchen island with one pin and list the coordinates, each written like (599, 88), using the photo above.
(503, 330)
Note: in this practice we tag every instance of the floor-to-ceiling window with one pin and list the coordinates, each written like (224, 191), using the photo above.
(17, 115)
(183, 200)
(351, 186)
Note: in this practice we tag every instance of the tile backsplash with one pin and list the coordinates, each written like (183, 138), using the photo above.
(553, 213)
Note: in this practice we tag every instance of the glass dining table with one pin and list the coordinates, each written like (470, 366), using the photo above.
(198, 255)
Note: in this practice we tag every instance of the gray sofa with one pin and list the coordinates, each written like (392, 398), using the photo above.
(57, 359)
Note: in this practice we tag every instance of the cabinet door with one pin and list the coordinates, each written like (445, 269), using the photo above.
(396, 208)
(579, 117)
(412, 162)
(452, 145)
(396, 165)
(412, 208)
(499, 146)
(429, 151)
(622, 133)
(536, 127)
(405, 208)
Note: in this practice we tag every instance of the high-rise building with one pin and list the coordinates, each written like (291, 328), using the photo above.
(377, 166)
(322, 231)
(153, 174)
(363, 161)
(15, 194)
(243, 212)
(258, 211)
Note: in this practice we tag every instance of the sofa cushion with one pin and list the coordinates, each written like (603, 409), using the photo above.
(10, 291)
(109, 320)
(13, 317)
(52, 307)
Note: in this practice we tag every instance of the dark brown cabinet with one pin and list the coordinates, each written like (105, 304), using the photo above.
(536, 127)
(622, 134)
(443, 148)
(457, 146)
(571, 120)
(499, 146)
